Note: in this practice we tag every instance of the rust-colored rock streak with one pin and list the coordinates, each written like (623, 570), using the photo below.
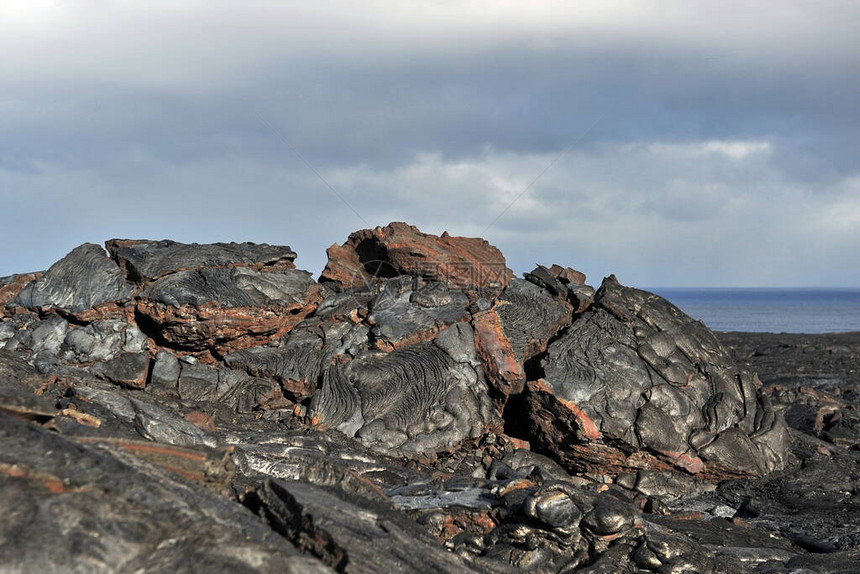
(573, 437)
(222, 329)
(399, 248)
(567, 275)
(494, 349)
(10, 289)
(51, 483)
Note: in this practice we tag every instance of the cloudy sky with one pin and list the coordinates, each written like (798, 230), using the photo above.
(687, 143)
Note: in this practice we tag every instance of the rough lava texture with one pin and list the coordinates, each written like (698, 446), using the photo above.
(176, 407)
(516, 330)
(421, 399)
(224, 309)
(636, 384)
(144, 261)
(11, 286)
(83, 279)
(401, 249)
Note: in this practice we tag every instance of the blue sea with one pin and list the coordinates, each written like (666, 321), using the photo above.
(769, 310)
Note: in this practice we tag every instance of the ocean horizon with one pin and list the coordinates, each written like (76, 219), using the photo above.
(769, 309)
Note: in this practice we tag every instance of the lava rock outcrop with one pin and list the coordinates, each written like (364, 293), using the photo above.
(642, 386)
(174, 407)
(401, 249)
(84, 279)
(418, 400)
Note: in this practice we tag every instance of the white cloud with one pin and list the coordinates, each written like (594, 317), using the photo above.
(194, 45)
(734, 149)
(680, 217)
(655, 219)
(840, 214)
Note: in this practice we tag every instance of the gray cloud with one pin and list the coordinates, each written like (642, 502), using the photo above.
(700, 145)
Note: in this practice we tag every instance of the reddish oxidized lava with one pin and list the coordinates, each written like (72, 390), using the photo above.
(497, 355)
(399, 248)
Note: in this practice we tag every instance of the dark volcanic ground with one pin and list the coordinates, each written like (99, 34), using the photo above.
(210, 408)
(815, 381)
(814, 378)
(829, 362)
